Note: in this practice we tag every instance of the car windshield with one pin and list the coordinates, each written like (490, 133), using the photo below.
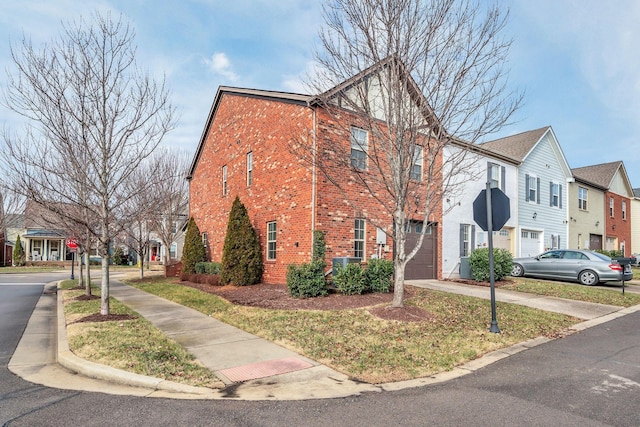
(601, 256)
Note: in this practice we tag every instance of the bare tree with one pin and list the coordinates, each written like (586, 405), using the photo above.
(92, 118)
(172, 194)
(414, 76)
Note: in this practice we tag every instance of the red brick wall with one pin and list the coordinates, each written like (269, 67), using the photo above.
(281, 188)
(282, 183)
(617, 227)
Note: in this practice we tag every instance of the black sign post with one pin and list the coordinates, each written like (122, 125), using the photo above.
(491, 209)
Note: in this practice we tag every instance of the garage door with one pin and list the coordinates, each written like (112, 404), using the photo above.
(530, 243)
(502, 239)
(424, 264)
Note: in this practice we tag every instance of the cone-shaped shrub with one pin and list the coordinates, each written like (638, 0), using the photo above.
(18, 254)
(194, 250)
(241, 255)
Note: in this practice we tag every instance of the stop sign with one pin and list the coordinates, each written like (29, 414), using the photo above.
(500, 209)
(71, 243)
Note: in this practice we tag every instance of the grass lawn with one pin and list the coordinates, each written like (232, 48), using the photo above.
(134, 345)
(375, 350)
(574, 291)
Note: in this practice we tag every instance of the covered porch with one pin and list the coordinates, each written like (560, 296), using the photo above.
(44, 245)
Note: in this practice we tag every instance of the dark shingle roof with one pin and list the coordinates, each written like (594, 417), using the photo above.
(601, 174)
(636, 192)
(516, 146)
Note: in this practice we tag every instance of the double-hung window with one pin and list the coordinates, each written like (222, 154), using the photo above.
(249, 168)
(416, 167)
(359, 147)
(582, 198)
(494, 175)
(532, 190)
(358, 238)
(555, 195)
(467, 234)
(611, 203)
(271, 241)
(224, 180)
(624, 210)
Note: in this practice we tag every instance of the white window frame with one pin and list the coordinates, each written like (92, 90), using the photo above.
(466, 239)
(583, 194)
(224, 180)
(359, 141)
(249, 168)
(496, 175)
(272, 234)
(555, 194)
(416, 167)
(624, 210)
(533, 180)
(359, 233)
(611, 207)
(173, 251)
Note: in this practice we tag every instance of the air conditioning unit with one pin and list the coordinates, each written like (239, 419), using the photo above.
(342, 262)
(465, 268)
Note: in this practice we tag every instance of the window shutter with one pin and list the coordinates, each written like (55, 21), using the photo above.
(550, 193)
(473, 238)
(538, 191)
(503, 173)
(560, 196)
(461, 239)
(526, 188)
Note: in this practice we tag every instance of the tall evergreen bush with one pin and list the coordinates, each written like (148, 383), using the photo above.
(19, 258)
(193, 251)
(241, 255)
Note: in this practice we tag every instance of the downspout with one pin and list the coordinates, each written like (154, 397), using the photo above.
(313, 179)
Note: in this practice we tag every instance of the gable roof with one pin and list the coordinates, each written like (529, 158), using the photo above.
(517, 146)
(391, 62)
(603, 174)
(255, 93)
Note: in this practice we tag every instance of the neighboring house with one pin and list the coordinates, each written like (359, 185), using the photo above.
(543, 178)
(42, 236)
(635, 221)
(586, 214)
(617, 202)
(462, 234)
(246, 151)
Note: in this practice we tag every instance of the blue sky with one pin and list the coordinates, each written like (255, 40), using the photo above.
(576, 60)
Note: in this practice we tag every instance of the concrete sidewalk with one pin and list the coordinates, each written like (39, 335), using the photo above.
(250, 367)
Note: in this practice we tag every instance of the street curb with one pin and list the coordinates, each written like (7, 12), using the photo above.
(67, 359)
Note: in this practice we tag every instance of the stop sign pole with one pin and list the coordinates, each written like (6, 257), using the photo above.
(492, 275)
(73, 245)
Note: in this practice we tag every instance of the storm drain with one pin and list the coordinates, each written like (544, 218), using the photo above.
(265, 369)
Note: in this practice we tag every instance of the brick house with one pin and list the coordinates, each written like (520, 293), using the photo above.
(247, 149)
(618, 195)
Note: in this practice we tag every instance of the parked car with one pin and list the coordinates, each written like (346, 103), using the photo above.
(635, 260)
(587, 267)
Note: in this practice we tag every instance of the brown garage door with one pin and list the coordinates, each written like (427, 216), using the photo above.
(423, 265)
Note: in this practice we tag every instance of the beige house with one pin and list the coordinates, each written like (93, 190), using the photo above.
(586, 214)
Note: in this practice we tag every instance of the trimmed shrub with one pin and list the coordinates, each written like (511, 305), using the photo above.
(611, 254)
(209, 279)
(208, 268)
(19, 258)
(350, 279)
(306, 280)
(193, 251)
(378, 275)
(479, 263)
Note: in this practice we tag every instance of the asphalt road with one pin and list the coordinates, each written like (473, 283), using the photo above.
(590, 378)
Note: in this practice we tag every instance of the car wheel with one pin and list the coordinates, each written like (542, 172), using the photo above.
(517, 270)
(588, 278)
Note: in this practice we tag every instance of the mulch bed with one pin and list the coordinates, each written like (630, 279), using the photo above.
(278, 297)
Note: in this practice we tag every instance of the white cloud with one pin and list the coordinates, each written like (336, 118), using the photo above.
(219, 63)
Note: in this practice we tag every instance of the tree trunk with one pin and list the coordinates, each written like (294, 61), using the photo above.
(104, 305)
